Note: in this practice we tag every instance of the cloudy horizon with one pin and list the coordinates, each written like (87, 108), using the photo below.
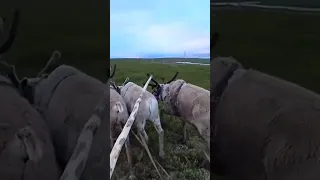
(141, 28)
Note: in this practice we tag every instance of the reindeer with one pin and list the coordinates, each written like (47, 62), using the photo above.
(26, 149)
(66, 98)
(148, 109)
(186, 101)
(264, 127)
(118, 116)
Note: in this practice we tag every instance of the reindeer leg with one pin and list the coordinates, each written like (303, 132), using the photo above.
(163, 120)
(146, 138)
(142, 151)
(128, 152)
(142, 134)
(185, 127)
(160, 132)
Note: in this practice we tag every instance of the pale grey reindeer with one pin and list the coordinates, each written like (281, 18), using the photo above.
(26, 148)
(148, 110)
(264, 127)
(118, 116)
(67, 98)
(186, 101)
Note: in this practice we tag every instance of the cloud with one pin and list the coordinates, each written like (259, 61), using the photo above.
(141, 31)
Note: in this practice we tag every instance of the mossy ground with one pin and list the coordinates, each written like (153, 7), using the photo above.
(182, 160)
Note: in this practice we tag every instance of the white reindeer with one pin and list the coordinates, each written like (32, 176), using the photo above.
(148, 110)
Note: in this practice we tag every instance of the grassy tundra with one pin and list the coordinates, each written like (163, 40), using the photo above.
(182, 160)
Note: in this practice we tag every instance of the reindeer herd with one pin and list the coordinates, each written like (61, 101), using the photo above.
(47, 121)
(55, 125)
(263, 127)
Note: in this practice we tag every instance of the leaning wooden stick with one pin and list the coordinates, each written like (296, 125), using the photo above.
(125, 132)
(80, 154)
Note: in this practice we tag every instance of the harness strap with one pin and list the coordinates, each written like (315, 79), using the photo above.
(218, 90)
(216, 93)
(174, 102)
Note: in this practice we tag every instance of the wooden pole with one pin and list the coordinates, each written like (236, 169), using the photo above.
(125, 132)
(79, 157)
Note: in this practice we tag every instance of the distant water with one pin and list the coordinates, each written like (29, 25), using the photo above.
(295, 3)
(201, 64)
(170, 59)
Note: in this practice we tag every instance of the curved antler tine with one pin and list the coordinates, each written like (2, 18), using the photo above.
(55, 55)
(51, 64)
(5, 46)
(113, 84)
(6, 68)
(152, 85)
(114, 70)
(125, 81)
(9, 70)
(173, 78)
(153, 80)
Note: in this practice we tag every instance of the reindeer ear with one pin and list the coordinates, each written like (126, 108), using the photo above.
(31, 143)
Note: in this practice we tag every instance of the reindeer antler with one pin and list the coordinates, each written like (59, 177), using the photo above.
(5, 46)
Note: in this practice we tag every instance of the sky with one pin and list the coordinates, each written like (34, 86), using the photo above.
(140, 28)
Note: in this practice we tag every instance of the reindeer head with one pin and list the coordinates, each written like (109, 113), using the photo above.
(221, 67)
(161, 90)
(112, 83)
(27, 85)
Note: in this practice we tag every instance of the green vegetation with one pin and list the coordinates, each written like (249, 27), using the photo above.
(278, 43)
(166, 60)
(182, 160)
